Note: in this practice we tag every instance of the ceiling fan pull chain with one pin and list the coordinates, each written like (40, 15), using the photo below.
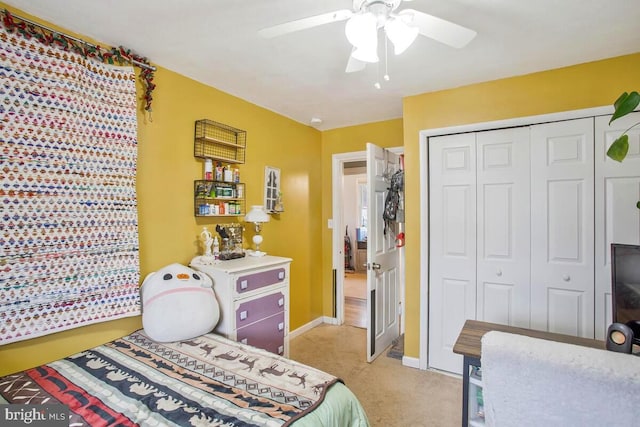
(386, 59)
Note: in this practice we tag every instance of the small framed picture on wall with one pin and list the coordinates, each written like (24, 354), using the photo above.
(271, 188)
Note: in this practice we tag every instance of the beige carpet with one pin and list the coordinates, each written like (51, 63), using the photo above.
(391, 394)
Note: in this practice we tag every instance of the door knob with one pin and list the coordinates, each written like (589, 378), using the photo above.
(375, 266)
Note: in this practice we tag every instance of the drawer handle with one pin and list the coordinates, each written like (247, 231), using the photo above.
(281, 302)
(281, 326)
(243, 315)
(243, 284)
(566, 278)
(281, 275)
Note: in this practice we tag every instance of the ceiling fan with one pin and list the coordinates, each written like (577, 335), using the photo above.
(401, 27)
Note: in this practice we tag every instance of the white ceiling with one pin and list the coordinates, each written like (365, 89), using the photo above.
(301, 75)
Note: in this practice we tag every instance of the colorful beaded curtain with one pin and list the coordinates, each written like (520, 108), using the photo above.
(68, 211)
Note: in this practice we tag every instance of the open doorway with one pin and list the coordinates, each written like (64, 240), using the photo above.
(350, 162)
(339, 232)
(355, 214)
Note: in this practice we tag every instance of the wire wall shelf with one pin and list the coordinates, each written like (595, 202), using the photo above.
(213, 140)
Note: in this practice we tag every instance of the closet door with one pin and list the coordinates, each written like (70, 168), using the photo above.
(617, 189)
(503, 231)
(562, 227)
(452, 246)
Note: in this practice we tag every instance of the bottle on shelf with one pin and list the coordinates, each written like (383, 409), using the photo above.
(208, 169)
(228, 174)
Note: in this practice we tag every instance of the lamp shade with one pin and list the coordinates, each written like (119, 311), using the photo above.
(400, 34)
(257, 214)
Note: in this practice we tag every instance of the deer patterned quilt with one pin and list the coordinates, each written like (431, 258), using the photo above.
(205, 381)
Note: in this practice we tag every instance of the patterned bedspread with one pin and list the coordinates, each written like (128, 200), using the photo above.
(206, 381)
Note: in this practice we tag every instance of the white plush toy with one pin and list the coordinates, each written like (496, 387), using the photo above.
(178, 303)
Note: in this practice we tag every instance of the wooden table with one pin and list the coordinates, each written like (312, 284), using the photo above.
(469, 345)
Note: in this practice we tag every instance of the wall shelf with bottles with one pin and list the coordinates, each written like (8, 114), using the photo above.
(213, 140)
(218, 198)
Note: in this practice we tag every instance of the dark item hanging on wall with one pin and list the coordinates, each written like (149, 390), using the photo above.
(392, 201)
(348, 251)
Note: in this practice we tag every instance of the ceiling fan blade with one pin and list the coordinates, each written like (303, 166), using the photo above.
(354, 65)
(438, 29)
(304, 23)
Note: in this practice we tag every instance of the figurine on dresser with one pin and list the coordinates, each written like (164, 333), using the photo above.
(210, 245)
(207, 240)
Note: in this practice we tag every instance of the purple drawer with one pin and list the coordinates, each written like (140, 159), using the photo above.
(251, 282)
(267, 334)
(259, 308)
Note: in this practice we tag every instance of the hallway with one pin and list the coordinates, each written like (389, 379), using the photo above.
(355, 299)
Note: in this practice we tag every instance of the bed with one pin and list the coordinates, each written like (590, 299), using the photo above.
(203, 381)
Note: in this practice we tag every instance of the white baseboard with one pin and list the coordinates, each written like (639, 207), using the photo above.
(411, 362)
(330, 320)
(307, 327)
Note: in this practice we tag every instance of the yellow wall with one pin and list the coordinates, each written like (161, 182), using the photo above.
(168, 229)
(581, 86)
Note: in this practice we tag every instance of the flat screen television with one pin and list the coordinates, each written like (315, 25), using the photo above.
(625, 286)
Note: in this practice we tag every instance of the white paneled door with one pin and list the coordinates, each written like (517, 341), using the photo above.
(562, 227)
(479, 228)
(383, 273)
(452, 246)
(617, 189)
(503, 217)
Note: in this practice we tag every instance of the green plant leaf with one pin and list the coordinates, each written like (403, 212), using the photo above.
(619, 148)
(638, 205)
(620, 99)
(626, 103)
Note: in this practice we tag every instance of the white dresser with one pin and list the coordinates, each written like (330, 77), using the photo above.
(253, 293)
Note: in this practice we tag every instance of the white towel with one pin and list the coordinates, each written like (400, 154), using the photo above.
(534, 382)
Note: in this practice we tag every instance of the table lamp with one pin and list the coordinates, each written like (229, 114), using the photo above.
(257, 215)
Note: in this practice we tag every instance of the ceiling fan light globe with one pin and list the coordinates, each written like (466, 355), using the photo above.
(400, 34)
(361, 29)
(366, 55)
